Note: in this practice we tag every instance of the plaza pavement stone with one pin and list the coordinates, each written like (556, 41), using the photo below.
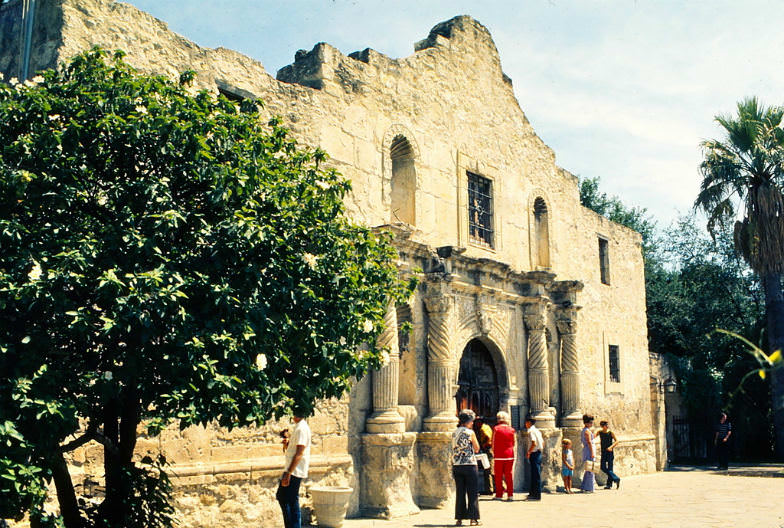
(685, 497)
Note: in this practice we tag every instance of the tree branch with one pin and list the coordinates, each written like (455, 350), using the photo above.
(106, 442)
(79, 442)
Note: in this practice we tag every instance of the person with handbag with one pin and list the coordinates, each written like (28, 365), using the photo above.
(534, 456)
(589, 455)
(465, 446)
(484, 435)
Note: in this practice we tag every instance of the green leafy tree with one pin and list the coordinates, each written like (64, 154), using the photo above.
(167, 257)
(743, 182)
(695, 285)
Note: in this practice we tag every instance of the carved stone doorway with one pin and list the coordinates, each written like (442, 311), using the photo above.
(478, 382)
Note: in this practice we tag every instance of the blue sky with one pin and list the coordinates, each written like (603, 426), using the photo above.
(623, 90)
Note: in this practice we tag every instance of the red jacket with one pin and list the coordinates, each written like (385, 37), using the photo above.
(503, 442)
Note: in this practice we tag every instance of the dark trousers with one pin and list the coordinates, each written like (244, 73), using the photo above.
(487, 476)
(467, 496)
(608, 457)
(535, 459)
(723, 454)
(288, 497)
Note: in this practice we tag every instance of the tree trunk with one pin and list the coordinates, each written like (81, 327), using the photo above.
(120, 424)
(774, 308)
(66, 495)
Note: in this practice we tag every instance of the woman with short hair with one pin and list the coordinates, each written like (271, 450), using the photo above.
(503, 456)
(588, 454)
(464, 449)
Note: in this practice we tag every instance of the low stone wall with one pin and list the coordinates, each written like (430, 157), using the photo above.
(237, 493)
(634, 455)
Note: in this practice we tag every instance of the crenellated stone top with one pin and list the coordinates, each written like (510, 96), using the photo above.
(325, 67)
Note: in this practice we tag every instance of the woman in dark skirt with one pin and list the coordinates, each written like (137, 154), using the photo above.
(464, 449)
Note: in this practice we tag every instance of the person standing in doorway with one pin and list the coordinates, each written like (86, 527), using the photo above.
(465, 446)
(296, 469)
(503, 456)
(608, 443)
(534, 456)
(484, 435)
(589, 456)
(721, 440)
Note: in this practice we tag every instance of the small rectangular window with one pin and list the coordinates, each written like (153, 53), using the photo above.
(515, 417)
(604, 260)
(615, 364)
(480, 210)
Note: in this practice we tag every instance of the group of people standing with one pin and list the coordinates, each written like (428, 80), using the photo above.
(474, 443)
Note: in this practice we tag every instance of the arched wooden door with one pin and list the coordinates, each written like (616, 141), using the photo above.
(478, 382)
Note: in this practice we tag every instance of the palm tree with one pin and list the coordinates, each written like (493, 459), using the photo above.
(743, 181)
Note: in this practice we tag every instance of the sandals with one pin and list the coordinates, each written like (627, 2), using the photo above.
(476, 522)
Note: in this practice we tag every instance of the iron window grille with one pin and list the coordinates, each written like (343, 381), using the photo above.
(480, 210)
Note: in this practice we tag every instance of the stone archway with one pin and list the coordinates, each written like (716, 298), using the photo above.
(479, 381)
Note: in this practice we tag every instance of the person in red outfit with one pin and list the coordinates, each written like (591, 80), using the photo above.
(504, 456)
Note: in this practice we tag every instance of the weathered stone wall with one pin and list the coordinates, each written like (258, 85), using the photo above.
(452, 102)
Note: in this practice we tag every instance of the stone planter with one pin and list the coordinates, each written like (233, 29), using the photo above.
(330, 504)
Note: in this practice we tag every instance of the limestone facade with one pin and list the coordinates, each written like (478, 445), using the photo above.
(528, 302)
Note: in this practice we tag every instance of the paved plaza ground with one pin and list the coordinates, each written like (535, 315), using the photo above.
(687, 497)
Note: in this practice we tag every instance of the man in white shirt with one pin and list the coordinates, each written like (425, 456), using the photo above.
(295, 470)
(534, 456)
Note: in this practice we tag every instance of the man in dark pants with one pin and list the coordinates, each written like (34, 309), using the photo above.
(534, 456)
(608, 441)
(297, 450)
(721, 441)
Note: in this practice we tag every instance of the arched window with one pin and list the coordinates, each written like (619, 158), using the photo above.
(541, 234)
(403, 182)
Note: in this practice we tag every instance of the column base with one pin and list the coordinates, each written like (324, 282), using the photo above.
(573, 419)
(388, 421)
(441, 422)
(386, 473)
(544, 418)
(436, 486)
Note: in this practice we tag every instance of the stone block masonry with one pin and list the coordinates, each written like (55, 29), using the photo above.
(517, 309)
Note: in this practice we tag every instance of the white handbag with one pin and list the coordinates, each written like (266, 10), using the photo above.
(483, 461)
(588, 465)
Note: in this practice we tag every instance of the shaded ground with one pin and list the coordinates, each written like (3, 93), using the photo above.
(684, 497)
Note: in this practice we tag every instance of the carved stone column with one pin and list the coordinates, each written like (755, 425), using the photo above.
(440, 386)
(387, 451)
(538, 375)
(570, 371)
(386, 418)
